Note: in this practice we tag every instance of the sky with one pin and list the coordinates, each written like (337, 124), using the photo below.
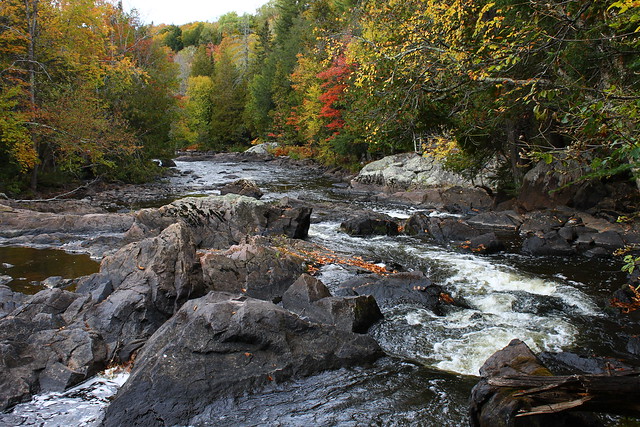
(184, 11)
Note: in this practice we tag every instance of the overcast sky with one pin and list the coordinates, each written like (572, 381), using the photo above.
(183, 11)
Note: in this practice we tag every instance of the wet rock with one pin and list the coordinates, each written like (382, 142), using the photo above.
(568, 363)
(56, 282)
(150, 279)
(4, 279)
(255, 268)
(443, 230)
(310, 298)
(460, 199)
(9, 300)
(221, 221)
(370, 225)
(504, 220)
(234, 345)
(550, 244)
(243, 187)
(42, 349)
(609, 240)
(397, 288)
(487, 243)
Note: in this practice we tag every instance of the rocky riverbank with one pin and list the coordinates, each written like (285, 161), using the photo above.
(233, 271)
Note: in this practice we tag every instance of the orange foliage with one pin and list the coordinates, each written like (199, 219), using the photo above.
(628, 307)
(324, 256)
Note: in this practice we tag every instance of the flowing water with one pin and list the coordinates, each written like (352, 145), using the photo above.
(552, 304)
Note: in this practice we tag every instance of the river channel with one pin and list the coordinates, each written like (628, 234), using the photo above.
(553, 304)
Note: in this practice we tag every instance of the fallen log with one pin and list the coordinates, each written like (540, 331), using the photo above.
(592, 393)
(516, 389)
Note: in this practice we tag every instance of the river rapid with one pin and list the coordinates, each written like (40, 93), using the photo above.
(553, 304)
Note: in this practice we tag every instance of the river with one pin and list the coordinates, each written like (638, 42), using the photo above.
(553, 304)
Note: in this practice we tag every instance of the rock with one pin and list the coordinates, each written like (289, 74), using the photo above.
(609, 240)
(460, 199)
(150, 279)
(550, 244)
(370, 225)
(571, 364)
(540, 222)
(548, 185)
(443, 230)
(43, 349)
(4, 279)
(254, 268)
(487, 243)
(9, 300)
(263, 149)
(218, 222)
(244, 187)
(397, 288)
(234, 345)
(504, 220)
(55, 282)
(309, 298)
(407, 170)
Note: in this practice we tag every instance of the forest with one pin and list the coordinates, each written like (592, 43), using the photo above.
(88, 91)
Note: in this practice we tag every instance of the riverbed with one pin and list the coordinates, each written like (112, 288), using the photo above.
(553, 304)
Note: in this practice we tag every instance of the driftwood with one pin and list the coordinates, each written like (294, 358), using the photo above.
(60, 196)
(592, 393)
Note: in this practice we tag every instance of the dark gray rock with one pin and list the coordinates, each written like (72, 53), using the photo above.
(550, 244)
(443, 230)
(221, 221)
(234, 345)
(43, 350)
(150, 279)
(609, 240)
(370, 225)
(487, 243)
(504, 220)
(255, 268)
(9, 300)
(309, 298)
(243, 187)
(397, 288)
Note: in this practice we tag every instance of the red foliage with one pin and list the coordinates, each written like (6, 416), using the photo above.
(334, 85)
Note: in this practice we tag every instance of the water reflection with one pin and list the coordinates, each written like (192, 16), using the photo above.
(28, 265)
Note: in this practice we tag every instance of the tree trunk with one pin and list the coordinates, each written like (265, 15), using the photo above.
(31, 10)
(593, 393)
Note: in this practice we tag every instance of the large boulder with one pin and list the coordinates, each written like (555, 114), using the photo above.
(244, 187)
(43, 348)
(393, 289)
(370, 225)
(221, 221)
(255, 268)
(310, 298)
(407, 170)
(221, 346)
(141, 286)
(9, 300)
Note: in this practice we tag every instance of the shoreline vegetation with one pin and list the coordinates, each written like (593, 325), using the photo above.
(88, 91)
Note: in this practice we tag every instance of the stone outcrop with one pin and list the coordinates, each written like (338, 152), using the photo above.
(309, 298)
(43, 349)
(223, 345)
(407, 170)
(221, 221)
(243, 187)
(255, 268)
(370, 225)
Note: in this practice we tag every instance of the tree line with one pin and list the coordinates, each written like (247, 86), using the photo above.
(343, 81)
